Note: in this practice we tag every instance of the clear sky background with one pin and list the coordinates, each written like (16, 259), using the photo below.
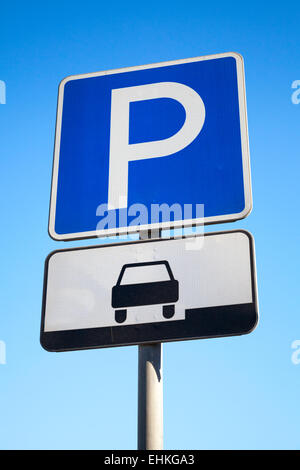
(239, 393)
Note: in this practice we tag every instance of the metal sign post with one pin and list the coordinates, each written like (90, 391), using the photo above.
(150, 397)
(150, 386)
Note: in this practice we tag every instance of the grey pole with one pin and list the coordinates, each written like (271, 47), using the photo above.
(150, 388)
(150, 397)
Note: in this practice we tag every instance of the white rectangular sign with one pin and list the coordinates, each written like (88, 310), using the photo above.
(146, 291)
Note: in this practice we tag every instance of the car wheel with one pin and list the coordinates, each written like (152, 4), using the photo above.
(120, 316)
(168, 311)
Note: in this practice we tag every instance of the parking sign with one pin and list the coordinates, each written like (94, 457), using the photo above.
(149, 291)
(155, 146)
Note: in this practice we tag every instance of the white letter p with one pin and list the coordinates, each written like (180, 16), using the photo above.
(121, 152)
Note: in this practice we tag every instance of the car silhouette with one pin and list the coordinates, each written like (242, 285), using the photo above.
(138, 293)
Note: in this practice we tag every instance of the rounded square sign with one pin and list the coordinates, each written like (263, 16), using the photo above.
(155, 146)
(149, 291)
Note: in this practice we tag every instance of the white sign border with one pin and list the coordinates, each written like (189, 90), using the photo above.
(164, 225)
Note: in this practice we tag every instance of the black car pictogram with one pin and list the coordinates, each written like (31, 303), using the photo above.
(145, 293)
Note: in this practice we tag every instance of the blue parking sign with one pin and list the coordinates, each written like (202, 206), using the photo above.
(155, 146)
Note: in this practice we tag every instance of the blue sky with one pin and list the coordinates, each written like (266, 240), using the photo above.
(236, 393)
